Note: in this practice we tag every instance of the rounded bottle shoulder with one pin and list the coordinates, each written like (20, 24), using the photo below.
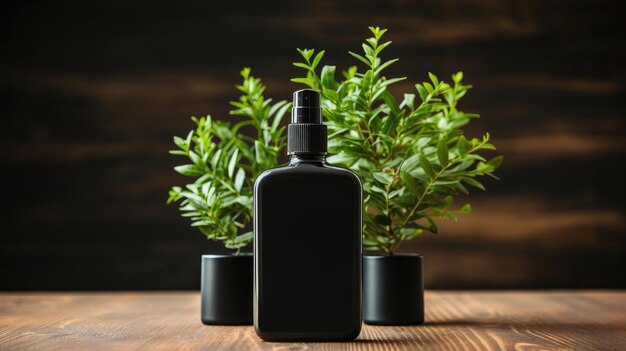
(308, 169)
(347, 172)
(333, 177)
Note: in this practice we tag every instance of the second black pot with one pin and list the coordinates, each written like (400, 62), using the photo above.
(393, 290)
(226, 289)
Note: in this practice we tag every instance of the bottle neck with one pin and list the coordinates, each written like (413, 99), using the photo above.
(311, 159)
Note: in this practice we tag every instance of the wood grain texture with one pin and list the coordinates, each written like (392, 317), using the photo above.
(588, 320)
(93, 92)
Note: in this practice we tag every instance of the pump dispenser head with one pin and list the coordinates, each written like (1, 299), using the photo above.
(306, 107)
(306, 135)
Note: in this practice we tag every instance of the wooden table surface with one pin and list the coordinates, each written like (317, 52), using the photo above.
(583, 320)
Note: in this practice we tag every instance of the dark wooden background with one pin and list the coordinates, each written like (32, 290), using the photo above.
(92, 93)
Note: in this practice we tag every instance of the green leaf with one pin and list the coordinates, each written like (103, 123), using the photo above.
(174, 195)
(396, 192)
(189, 138)
(216, 158)
(384, 178)
(392, 104)
(245, 237)
(301, 65)
(410, 233)
(328, 77)
(195, 158)
(360, 58)
(189, 170)
(496, 162)
(473, 182)
(258, 152)
(410, 163)
(461, 146)
(317, 59)
(201, 223)
(421, 91)
(433, 78)
(457, 77)
(239, 179)
(409, 100)
(442, 153)
(366, 83)
(385, 65)
(426, 166)
(411, 184)
(306, 53)
(232, 163)
(305, 81)
(466, 209)
(180, 142)
(279, 114)
(387, 82)
(432, 226)
(193, 197)
(376, 189)
(429, 87)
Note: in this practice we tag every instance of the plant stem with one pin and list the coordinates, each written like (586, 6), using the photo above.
(432, 181)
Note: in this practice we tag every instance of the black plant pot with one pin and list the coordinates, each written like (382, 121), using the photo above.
(393, 290)
(226, 289)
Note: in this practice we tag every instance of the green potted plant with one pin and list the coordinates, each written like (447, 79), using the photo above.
(223, 162)
(413, 158)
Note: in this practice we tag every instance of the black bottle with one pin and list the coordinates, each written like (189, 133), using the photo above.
(307, 242)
